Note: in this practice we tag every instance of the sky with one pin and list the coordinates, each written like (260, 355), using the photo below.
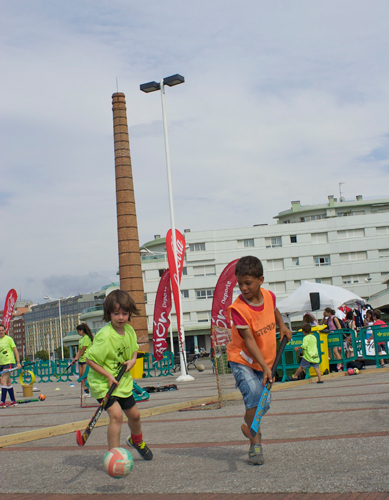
(282, 101)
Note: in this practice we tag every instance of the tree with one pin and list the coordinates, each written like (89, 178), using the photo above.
(43, 355)
(58, 352)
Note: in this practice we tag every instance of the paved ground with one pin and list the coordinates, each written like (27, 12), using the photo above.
(324, 442)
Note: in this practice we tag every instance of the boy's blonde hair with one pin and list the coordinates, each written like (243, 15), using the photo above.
(122, 299)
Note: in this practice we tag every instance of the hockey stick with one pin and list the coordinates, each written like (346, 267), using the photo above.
(266, 391)
(66, 369)
(82, 438)
(12, 369)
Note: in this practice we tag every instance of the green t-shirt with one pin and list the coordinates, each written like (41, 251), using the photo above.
(84, 341)
(309, 346)
(110, 350)
(7, 346)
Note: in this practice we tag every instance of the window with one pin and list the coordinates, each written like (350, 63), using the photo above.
(197, 247)
(295, 261)
(184, 271)
(357, 278)
(353, 256)
(273, 242)
(383, 254)
(324, 281)
(246, 243)
(204, 317)
(185, 317)
(161, 271)
(274, 265)
(312, 217)
(277, 287)
(145, 298)
(293, 239)
(205, 293)
(382, 231)
(185, 294)
(322, 260)
(351, 233)
(204, 271)
(319, 238)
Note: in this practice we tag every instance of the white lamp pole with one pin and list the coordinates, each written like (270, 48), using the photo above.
(151, 87)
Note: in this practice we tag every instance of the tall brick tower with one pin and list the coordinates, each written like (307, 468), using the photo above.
(130, 270)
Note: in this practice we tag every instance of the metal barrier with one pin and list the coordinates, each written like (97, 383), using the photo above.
(290, 359)
(46, 370)
(336, 340)
(161, 368)
(369, 337)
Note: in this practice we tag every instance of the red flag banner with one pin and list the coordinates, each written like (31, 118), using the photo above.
(9, 308)
(222, 297)
(176, 272)
(161, 321)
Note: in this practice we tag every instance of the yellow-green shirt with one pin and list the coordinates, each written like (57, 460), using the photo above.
(7, 346)
(84, 341)
(310, 351)
(110, 350)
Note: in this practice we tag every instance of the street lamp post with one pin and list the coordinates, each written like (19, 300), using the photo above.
(60, 318)
(171, 81)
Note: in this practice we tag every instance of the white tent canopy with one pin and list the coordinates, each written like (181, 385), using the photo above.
(330, 296)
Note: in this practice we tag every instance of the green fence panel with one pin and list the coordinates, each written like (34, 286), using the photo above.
(374, 334)
(60, 366)
(290, 360)
(46, 370)
(336, 341)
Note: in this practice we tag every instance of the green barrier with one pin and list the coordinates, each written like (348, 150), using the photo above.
(161, 368)
(61, 366)
(372, 335)
(45, 371)
(290, 360)
(336, 340)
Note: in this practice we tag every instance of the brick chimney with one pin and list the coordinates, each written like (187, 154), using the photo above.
(130, 270)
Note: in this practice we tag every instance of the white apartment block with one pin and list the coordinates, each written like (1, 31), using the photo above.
(343, 243)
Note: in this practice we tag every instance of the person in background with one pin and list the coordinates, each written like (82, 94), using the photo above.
(380, 345)
(333, 324)
(83, 345)
(9, 358)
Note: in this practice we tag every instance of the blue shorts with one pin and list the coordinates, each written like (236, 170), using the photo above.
(249, 382)
(304, 364)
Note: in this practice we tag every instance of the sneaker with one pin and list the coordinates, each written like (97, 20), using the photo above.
(256, 455)
(141, 448)
(12, 403)
(3, 405)
(86, 395)
(339, 367)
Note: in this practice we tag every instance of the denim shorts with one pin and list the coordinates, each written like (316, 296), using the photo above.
(304, 364)
(249, 382)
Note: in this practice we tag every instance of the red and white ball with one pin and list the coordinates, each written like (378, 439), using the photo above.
(118, 462)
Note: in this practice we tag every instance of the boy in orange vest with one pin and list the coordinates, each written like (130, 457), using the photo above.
(252, 350)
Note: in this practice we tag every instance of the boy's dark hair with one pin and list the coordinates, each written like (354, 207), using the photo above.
(306, 328)
(249, 266)
(377, 313)
(122, 299)
(349, 315)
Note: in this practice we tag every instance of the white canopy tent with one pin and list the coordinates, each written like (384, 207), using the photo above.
(330, 296)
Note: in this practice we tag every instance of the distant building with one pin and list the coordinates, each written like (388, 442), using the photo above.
(343, 243)
(43, 326)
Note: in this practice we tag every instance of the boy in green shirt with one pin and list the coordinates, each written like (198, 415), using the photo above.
(310, 354)
(113, 346)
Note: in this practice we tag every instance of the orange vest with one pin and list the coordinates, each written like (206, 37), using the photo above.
(263, 327)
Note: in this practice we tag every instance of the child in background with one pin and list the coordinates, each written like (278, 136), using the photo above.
(9, 358)
(83, 345)
(310, 354)
(252, 350)
(377, 321)
(113, 346)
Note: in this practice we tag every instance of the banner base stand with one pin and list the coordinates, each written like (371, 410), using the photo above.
(184, 378)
